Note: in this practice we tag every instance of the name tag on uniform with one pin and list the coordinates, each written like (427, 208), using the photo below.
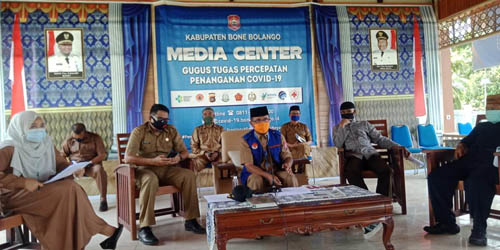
(146, 142)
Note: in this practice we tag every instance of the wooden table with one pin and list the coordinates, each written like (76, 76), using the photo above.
(305, 218)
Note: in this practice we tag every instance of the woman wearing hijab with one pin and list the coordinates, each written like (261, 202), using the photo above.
(59, 214)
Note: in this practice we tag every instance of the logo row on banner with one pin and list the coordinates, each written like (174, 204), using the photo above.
(229, 97)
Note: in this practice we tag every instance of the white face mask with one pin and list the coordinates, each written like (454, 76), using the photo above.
(36, 135)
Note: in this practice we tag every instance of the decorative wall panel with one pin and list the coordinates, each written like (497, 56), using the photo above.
(365, 81)
(94, 90)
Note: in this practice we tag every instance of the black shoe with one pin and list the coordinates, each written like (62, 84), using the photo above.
(103, 207)
(478, 238)
(441, 228)
(110, 243)
(193, 226)
(147, 237)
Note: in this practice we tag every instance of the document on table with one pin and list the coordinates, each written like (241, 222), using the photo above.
(68, 171)
(293, 191)
(217, 198)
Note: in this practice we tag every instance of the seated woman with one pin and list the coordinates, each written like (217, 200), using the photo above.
(59, 214)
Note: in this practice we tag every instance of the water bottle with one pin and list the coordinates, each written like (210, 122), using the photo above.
(235, 181)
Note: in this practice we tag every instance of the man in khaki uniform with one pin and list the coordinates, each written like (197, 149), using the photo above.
(264, 153)
(206, 144)
(157, 148)
(87, 146)
(297, 135)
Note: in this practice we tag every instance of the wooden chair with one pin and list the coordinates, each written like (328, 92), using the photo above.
(16, 233)
(127, 192)
(393, 158)
(480, 118)
(437, 158)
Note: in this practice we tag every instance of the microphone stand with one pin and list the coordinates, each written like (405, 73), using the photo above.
(274, 188)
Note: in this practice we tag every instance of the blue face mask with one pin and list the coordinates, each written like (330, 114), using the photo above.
(36, 135)
(295, 118)
(493, 116)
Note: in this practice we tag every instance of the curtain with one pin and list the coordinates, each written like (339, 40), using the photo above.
(328, 44)
(136, 45)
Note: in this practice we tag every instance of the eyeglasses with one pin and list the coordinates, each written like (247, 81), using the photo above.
(261, 120)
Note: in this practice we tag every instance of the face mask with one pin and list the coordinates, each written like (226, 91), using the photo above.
(159, 123)
(349, 116)
(261, 127)
(78, 131)
(493, 116)
(208, 120)
(79, 139)
(36, 135)
(295, 118)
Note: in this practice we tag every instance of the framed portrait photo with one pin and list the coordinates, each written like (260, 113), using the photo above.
(64, 53)
(384, 50)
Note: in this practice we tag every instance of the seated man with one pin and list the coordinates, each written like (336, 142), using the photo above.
(264, 155)
(206, 143)
(83, 145)
(356, 137)
(297, 135)
(474, 165)
(157, 148)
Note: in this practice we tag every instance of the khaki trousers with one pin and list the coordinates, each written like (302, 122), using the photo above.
(148, 179)
(260, 184)
(200, 162)
(97, 172)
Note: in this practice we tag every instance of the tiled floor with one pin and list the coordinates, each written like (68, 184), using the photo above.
(408, 233)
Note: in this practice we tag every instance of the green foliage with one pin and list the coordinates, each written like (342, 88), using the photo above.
(468, 85)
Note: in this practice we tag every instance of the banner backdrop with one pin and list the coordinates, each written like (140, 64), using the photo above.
(233, 59)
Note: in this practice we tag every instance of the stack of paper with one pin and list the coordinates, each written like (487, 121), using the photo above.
(262, 201)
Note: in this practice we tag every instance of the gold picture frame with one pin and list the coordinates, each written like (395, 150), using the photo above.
(64, 54)
(384, 50)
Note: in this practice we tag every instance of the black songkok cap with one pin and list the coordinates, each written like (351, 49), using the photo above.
(241, 193)
(295, 107)
(259, 111)
(347, 105)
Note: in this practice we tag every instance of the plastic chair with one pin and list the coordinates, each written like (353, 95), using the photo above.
(464, 128)
(401, 135)
(427, 138)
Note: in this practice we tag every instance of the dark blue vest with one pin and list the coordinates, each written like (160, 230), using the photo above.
(259, 153)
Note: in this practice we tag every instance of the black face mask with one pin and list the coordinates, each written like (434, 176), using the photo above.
(349, 116)
(159, 123)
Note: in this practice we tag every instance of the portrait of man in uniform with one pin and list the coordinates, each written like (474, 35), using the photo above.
(64, 54)
(383, 47)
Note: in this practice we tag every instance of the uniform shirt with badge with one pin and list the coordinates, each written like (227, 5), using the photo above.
(387, 57)
(61, 63)
(206, 138)
(85, 150)
(146, 142)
